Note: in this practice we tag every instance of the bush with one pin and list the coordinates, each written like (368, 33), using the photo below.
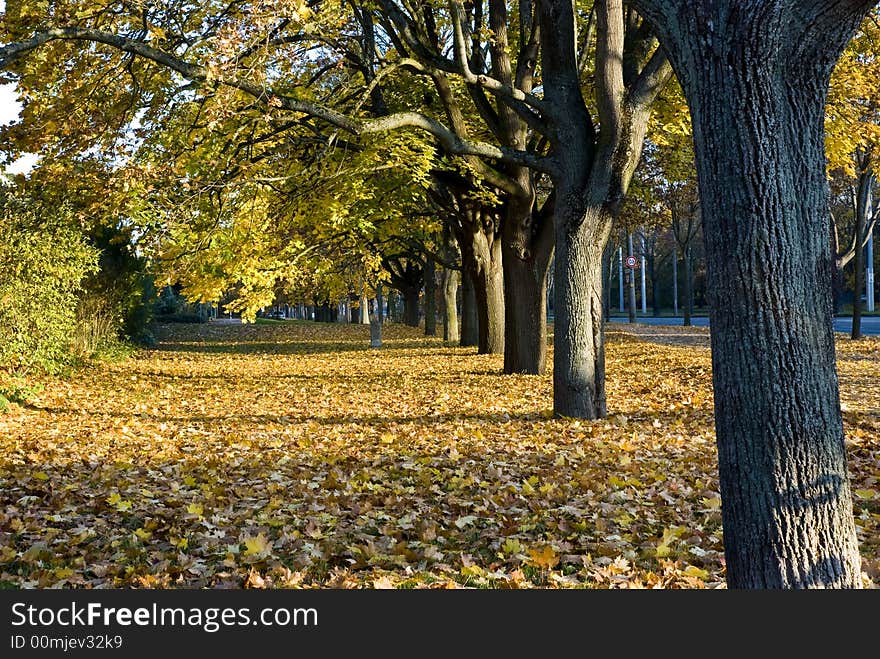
(172, 307)
(16, 390)
(118, 302)
(45, 258)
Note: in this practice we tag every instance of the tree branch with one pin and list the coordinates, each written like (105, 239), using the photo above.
(198, 73)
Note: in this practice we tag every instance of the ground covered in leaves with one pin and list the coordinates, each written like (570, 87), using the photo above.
(291, 455)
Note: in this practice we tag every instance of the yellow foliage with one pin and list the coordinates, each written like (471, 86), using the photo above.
(324, 463)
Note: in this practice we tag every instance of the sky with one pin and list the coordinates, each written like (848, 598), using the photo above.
(9, 109)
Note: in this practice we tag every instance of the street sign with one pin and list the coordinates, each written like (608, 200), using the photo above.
(632, 262)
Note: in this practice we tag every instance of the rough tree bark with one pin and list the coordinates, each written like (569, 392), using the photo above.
(449, 286)
(470, 322)
(481, 258)
(592, 168)
(526, 260)
(380, 303)
(755, 74)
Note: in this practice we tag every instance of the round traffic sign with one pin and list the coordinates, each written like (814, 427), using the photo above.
(632, 262)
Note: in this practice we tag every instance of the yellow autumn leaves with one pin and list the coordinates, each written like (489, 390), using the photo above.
(291, 455)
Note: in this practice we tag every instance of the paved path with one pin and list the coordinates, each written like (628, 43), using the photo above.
(870, 324)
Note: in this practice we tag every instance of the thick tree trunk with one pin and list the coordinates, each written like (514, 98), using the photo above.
(526, 260)
(608, 269)
(756, 80)
(579, 345)
(482, 259)
(525, 308)
(490, 307)
(430, 298)
(411, 313)
(449, 285)
(470, 322)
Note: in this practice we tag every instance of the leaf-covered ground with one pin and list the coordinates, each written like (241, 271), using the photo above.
(291, 455)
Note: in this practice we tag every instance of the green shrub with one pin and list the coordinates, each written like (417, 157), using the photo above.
(43, 260)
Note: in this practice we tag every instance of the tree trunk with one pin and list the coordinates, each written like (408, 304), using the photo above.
(380, 303)
(527, 247)
(411, 314)
(470, 323)
(608, 269)
(579, 345)
(375, 326)
(642, 275)
(393, 306)
(449, 283)
(859, 273)
(490, 307)
(526, 261)
(652, 273)
(482, 259)
(525, 309)
(756, 77)
(674, 280)
(364, 307)
(430, 298)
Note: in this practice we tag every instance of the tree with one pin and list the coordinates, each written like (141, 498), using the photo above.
(225, 50)
(865, 221)
(852, 127)
(685, 211)
(591, 167)
(755, 74)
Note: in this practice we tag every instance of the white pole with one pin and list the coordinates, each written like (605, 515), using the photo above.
(644, 295)
(869, 253)
(632, 276)
(620, 274)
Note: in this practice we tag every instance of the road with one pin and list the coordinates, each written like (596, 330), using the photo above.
(870, 324)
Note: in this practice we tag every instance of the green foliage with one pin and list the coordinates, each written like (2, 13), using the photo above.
(172, 307)
(121, 293)
(44, 259)
(16, 390)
